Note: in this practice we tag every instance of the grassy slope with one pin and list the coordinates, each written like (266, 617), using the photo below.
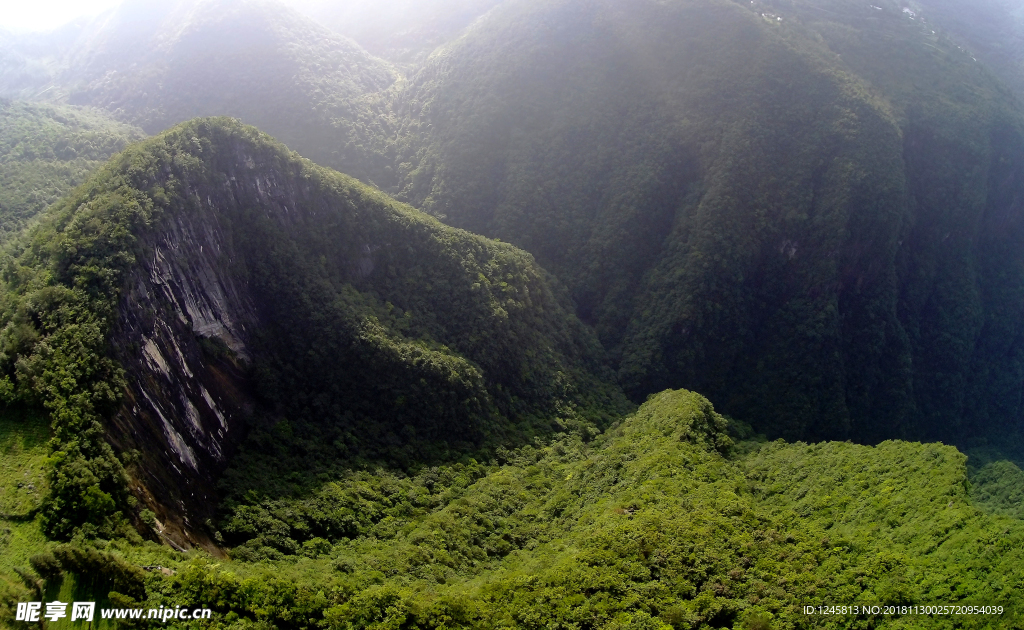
(23, 452)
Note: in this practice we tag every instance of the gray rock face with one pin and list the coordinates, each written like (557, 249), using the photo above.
(256, 264)
(184, 408)
(184, 333)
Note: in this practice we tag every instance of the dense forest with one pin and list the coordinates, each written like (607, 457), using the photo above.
(661, 522)
(344, 310)
(798, 221)
(515, 313)
(639, 153)
(45, 150)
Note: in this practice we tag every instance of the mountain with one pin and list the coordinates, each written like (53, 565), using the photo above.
(46, 150)
(157, 64)
(658, 523)
(991, 30)
(209, 286)
(404, 32)
(337, 411)
(807, 211)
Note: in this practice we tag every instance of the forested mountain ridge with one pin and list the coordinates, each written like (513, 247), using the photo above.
(154, 65)
(326, 409)
(208, 284)
(658, 524)
(808, 211)
(814, 202)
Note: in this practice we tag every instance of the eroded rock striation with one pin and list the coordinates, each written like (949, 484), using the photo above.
(246, 289)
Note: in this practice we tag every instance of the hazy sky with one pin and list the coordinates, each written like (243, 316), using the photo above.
(41, 15)
(44, 15)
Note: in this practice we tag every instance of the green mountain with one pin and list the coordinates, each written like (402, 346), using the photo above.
(804, 210)
(46, 150)
(209, 286)
(404, 32)
(807, 211)
(658, 524)
(154, 65)
(232, 378)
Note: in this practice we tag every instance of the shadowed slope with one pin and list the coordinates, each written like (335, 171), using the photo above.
(808, 211)
(240, 287)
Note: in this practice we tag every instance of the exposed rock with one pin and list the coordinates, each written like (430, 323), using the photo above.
(185, 401)
(247, 241)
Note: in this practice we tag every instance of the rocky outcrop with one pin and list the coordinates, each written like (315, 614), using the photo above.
(266, 288)
(185, 405)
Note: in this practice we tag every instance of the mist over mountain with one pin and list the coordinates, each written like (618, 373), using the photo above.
(157, 64)
(806, 211)
(395, 382)
(767, 191)
(763, 203)
(402, 31)
(992, 30)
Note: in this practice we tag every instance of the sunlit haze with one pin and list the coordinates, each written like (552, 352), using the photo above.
(43, 15)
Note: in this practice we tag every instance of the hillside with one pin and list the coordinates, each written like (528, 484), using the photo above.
(658, 524)
(231, 377)
(47, 150)
(154, 65)
(991, 30)
(402, 31)
(208, 287)
(807, 211)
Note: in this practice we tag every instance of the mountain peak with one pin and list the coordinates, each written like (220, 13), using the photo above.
(244, 256)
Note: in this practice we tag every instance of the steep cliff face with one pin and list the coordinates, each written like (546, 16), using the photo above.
(244, 289)
(184, 409)
(807, 212)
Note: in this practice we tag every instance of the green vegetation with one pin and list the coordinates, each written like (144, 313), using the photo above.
(455, 343)
(658, 523)
(803, 210)
(23, 486)
(47, 150)
(807, 211)
(53, 357)
(998, 487)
